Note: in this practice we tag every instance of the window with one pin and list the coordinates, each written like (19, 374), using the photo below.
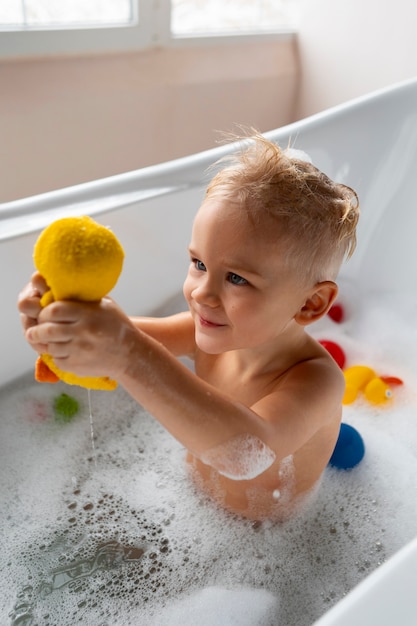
(38, 27)
(215, 17)
(49, 13)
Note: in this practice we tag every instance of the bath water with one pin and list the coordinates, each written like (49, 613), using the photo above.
(119, 535)
(90, 411)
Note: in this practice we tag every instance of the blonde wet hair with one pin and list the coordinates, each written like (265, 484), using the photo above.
(316, 217)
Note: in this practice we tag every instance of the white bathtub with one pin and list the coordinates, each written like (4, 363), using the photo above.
(370, 144)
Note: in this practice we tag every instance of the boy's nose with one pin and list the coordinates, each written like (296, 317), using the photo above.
(206, 293)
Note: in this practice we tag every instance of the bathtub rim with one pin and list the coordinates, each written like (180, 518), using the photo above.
(393, 581)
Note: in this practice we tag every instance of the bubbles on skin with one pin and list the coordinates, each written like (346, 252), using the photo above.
(135, 538)
(241, 458)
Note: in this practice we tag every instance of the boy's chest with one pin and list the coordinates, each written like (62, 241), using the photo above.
(220, 372)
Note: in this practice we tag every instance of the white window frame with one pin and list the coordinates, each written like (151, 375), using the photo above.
(152, 30)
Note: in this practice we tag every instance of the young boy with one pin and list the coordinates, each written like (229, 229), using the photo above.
(261, 414)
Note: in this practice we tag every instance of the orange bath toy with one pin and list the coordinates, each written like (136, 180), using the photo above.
(80, 260)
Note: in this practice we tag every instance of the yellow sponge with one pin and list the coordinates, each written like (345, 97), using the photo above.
(80, 260)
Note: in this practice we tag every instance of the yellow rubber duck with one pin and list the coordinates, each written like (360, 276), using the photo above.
(362, 378)
(80, 260)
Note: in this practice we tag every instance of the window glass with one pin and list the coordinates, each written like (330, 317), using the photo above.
(11, 12)
(36, 13)
(46, 27)
(194, 17)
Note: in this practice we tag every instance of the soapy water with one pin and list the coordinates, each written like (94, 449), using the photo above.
(91, 418)
(130, 540)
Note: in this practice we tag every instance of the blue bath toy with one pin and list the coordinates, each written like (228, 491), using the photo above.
(349, 449)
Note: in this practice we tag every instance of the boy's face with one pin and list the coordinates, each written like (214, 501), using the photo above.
(239, 289)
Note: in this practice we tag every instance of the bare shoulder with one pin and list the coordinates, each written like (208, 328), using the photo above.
(319, 375)
(307, 398)
(316, 383)
(175, 332)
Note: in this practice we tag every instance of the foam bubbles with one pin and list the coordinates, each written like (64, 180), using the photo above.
(216, 605)
(241, 458)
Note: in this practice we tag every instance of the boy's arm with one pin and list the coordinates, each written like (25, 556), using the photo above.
(175, 332)
(99, 339)
(203, 418)
(193, 411)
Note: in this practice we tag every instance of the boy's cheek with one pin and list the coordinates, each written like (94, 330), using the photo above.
(187, 289)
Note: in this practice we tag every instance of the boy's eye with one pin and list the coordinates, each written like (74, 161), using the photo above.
(199, 265)
(235, 279)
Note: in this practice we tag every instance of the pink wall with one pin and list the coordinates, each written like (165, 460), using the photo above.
(70, 120)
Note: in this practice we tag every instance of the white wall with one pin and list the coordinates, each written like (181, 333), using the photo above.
(350, 47)
(69, 120)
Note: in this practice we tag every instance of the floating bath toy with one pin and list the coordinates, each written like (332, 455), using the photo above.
(337, 313)
(349, 450)
(80, 260)
(65, 408)
(376, 389)
(36, 410)
(335, 350)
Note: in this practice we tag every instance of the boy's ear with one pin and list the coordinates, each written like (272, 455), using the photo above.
(318, 303)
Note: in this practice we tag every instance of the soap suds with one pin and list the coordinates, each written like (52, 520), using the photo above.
(241, 458)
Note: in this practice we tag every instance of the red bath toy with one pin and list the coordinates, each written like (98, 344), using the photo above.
(337, 313)
(335, 351)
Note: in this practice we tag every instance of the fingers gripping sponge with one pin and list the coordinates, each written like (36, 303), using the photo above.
(80, 260)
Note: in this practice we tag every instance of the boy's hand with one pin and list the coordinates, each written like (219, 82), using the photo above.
(30, 307)
(87, 339)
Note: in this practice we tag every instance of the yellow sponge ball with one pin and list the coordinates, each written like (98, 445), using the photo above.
(79, 259)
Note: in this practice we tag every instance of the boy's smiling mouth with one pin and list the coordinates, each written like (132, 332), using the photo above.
(208, 323)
